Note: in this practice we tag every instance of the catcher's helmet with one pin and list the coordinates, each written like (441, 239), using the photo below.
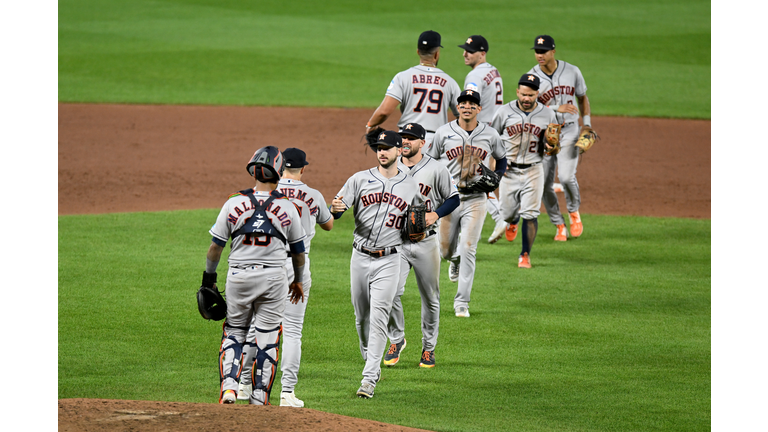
(267, 165)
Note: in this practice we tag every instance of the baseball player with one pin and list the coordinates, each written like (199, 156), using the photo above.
(464, 144)
(441, 197)
(485, 78)
(380, 197)
(260, 222)
(561, 84)
(312, 210)
(521, 125)
(424, 92)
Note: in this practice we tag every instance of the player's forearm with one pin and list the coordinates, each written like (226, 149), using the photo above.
(448, 206)
(383, 112)
(584, 108)
(297, 259)
(213, 257)
(501, 166)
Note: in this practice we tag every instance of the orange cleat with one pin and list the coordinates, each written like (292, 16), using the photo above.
(511, 233)
(524, 261)
(576, 227)
(562, 234)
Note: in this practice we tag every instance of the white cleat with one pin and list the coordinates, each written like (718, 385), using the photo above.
(453, 272)
(244, 391)
(290, 400)
(498, 231)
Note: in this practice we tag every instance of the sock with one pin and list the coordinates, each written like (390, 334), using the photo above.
(529, 228)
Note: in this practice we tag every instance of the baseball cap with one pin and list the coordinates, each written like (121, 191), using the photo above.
(544, 42)
(295, 158)
(429, 39)
(469, 95)
(530, 80)
(390, 138)
(414, 130)
(475, 43)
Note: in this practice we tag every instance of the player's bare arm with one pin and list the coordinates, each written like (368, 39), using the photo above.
(382, 113)
(583, 102)
(296, 287)
(213, 257)
(327, 226)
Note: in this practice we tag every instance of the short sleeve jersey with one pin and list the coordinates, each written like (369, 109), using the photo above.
(310, 203)
(425, 95)
(562, 87)
(248, 249)
(379, 206)
(435, 182)
(521, 131)
(462, 152)
(486, 79)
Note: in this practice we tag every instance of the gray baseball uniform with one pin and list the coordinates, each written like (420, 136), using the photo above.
(485, 79)
(379, 209)
(521, 187)
(313, 209)
(435, 186)
(425, 94)
(463, 152)
(562, 87)
(256, 285)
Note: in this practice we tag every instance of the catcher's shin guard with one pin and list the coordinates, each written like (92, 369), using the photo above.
(267, 350)
(230, 355)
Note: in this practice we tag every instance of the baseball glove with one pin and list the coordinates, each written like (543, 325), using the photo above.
(415, 225)
(210, 303)
(552, 137)
(587, 138)
(372, 137)
(488, 182)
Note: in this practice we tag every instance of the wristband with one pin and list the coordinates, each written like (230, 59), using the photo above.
(210, 266)
(586, 120)
(298, 274)
(209, 279)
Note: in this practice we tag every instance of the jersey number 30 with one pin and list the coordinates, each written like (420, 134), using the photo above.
(394, 221)
(435, 98)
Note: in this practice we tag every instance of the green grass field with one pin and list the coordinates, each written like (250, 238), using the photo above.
(639, 58)
(610, 332)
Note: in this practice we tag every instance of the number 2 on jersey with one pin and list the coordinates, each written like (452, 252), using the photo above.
(435, 98)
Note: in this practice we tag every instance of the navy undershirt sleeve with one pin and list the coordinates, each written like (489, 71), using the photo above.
(448, 206)
(501, 166)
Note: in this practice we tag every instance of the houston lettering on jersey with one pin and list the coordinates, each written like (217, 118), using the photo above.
(272, 208)
(386, 197)
(556, 91)
(428, 79)
(520, 128)
(458, 151)
(492, 75)
(301, 196)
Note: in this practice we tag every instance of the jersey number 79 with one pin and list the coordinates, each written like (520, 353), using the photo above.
(435, 98)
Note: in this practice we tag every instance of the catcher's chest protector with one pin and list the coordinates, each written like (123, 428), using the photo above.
(259, 224)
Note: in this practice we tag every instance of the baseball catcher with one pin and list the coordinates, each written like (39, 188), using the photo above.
(210, 303)
(552, 139)
(488, 181)
(415, 224)
(587, 138)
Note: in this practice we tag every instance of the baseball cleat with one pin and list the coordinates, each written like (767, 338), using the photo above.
(427, 359)
(229, 397)
(244, 392)
(393, 354)
(511, 233)
(259, 397)
(562, 233)
(462, 312)
(453, 272)
(290, 400)
(524, 261)
(558, 187)
(576, 227)
(365, 391)
(498, 231)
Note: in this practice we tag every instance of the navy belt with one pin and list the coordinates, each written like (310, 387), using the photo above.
(521, 166)
(254, 266)
(376, 253)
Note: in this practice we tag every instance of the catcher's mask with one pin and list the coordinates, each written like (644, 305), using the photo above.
(211, 304)
(267, 165)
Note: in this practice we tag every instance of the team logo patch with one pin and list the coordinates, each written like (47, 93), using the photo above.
(381, 137)
(408, 126)
(469, 40)
(531, 78)
(472, 86)
(540, 41)
(470, 92)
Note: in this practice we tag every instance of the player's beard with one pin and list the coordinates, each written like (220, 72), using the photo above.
(410, 153)
(388, 163)
(526, 106)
